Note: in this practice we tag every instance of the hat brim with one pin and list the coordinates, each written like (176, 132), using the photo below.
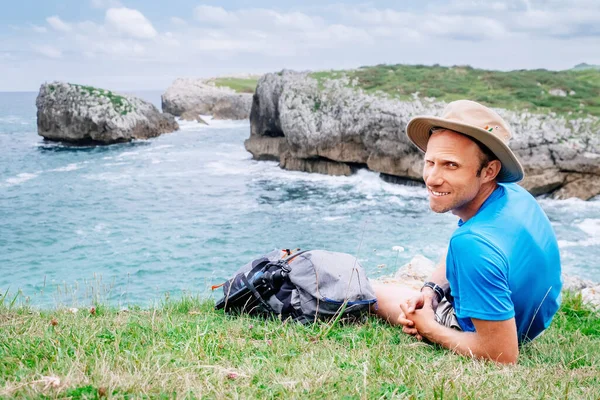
(419, 128)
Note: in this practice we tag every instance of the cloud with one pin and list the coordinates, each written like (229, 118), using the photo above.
(48, 51)
(210, 14)
(130, 22)
(57, 24)
(39, 29)
(177, 21)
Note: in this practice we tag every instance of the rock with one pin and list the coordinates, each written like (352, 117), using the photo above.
(234, 107)
(582, 186)
(83, 114)
(544, 182)
(419, 268)
(266, 148)
(591, 296)
(264, 115)
(191, 115)
(333, 121)
(575, 284)
(557, 92)
(319, 165)
(203, 97)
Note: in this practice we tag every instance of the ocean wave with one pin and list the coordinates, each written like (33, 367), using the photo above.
(70, 167)
(591, 226)
(212, 124)
(21, 178)
(329, 219)
(591, 242)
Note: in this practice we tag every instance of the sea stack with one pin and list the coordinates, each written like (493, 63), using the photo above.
(201, 96)
(86, 115)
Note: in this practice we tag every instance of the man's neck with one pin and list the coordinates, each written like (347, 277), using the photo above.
(467, 211)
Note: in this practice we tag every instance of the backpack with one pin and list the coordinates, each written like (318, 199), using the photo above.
(304, 286)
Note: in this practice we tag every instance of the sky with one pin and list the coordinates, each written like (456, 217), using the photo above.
(146, 44)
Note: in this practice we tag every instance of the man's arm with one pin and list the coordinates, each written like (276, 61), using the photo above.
(439, 278)
(493, 340)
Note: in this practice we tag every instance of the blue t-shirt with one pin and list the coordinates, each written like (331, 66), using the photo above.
(504, 262)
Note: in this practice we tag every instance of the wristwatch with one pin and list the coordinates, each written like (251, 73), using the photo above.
(437, 289)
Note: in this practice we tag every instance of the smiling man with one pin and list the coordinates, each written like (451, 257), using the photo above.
(499, 285)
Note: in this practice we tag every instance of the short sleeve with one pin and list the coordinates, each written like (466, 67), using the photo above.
(481, 279)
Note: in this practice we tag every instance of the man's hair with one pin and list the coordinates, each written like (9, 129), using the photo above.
(486, 155)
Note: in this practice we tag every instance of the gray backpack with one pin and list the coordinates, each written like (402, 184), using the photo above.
(304, 286)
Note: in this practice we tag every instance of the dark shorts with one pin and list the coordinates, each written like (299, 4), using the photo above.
(445, 315)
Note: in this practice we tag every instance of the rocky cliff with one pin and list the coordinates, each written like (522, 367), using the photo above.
(333, 128)
(202, 97)
(83, 114)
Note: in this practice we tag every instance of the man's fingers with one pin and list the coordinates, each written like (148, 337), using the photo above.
(410, 331)
(410, 306)
(404, 308)
(402, 320)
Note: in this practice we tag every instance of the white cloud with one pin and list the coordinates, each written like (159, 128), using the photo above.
(219, 15)
(178, 21)
(39, 29)
(48, 51)
(246, 39)
(56, 23)
(130, 22)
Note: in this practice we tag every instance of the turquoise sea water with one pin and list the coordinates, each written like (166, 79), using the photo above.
(132, 222)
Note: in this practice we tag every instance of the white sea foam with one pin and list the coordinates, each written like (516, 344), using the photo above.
(70, 167)
(129, 154)
(591, 242)
(591, 226)
(22, 177)
(334, 218)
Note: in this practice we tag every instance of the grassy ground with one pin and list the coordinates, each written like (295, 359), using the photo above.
(516, 90)
(240, 85)
(185, 349)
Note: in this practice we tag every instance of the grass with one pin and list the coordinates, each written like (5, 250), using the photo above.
(120, 103)
(240, 85)
(516, 90)
(185, 349)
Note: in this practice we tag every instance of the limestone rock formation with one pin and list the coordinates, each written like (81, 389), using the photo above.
(83, 114)
(191, 115)
(203, 97)
(308, 125)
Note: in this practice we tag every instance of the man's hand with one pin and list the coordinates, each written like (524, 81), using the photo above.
(416, 302)
(420, 319)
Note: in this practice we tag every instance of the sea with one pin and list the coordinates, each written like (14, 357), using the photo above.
(137, 223)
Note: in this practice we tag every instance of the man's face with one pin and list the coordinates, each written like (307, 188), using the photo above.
(452, 162)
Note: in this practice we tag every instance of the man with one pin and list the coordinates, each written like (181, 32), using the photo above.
(500, 283)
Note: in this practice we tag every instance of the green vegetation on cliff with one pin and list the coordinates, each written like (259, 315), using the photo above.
(572, 91)
(120, 103)
(186, 349)
(240, 85)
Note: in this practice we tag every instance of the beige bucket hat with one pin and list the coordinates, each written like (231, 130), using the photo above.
(474, 120)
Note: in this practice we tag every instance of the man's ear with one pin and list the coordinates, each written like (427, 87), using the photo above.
(491, 171)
